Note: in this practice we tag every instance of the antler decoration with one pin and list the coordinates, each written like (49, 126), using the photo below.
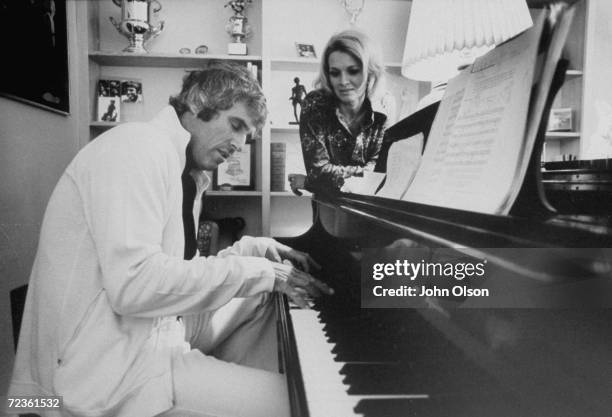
(353, 8)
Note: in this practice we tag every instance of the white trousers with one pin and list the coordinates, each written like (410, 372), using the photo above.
(232, 369)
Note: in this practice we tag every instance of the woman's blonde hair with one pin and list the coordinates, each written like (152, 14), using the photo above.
(358, 45)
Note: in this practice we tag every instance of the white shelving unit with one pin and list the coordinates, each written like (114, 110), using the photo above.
(190, 23)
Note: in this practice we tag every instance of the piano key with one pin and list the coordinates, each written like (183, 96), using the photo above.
(325, 391)
(327, 394)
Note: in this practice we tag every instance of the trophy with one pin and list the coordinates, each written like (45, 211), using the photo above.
(135, 24)
(238, 27)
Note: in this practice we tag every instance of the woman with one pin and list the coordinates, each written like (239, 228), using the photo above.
(340, 133)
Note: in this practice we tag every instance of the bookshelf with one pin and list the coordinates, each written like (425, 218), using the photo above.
(276, 26)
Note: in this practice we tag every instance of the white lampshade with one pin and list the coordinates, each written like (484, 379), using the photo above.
(444, 35)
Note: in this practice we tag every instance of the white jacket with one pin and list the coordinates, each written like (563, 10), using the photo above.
(108, 278)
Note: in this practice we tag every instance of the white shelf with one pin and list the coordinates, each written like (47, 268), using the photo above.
(104, 125)
(292, 63)
(573, 73)
(236, 193)
(294, 60)
(170, 60)
(285, 129)
(562, 135)
(305, 194)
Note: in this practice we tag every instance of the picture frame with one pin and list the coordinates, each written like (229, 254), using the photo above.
(560, 120)
(305, 50)
(131, 91)
(36, 64)
(237, 172)
(109, 100)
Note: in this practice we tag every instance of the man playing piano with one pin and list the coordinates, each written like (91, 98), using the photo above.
(116, 322)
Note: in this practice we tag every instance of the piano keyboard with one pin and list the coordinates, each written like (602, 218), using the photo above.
(342, 360)
(370, 363)
(326, 392)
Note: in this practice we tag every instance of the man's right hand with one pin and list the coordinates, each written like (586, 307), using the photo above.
(298, 285)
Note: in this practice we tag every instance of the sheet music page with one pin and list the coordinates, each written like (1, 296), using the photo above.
(476, 138)
(402, 163)
(561, 20)
(366, 185)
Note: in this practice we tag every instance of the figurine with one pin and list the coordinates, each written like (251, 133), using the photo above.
(298, 92)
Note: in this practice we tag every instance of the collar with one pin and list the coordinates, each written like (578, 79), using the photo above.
(167, 121)
(368, 118)
(201, 179)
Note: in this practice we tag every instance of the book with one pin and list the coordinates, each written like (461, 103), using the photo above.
(254, 69)
(277, 166)
(484, 132)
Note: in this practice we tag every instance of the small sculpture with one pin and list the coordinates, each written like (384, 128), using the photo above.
(298, 92)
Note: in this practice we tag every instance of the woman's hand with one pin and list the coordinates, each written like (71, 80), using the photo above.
(297, 181)
(298, 285)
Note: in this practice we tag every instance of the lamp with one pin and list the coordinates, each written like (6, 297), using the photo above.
(445, 36)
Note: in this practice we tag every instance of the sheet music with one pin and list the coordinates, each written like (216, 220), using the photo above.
(366, 185)
(403, 161)
(562, 18)
(477, 136)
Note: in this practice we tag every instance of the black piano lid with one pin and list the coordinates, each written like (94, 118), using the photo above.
(466, 228)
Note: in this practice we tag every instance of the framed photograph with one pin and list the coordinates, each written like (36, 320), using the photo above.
(237, 172)
(560, 120)
(131, 91)
(305, 50)
(109, 99)
(35, 53)
(108, 109)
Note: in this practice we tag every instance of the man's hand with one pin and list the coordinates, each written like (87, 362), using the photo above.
(300, 260)
(298, 285)
(297, 181)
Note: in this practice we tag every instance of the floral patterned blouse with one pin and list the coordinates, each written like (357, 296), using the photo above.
(331, 152)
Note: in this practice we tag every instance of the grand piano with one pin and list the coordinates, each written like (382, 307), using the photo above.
(448, 357)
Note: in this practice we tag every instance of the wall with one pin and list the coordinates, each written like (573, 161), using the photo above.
(35, 147)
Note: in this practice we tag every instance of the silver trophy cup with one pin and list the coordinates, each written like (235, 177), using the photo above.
(136, 22)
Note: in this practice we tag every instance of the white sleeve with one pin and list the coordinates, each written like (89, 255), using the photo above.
(128, 205)
(252, 246)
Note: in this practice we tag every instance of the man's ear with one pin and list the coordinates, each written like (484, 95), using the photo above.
(187, 120)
